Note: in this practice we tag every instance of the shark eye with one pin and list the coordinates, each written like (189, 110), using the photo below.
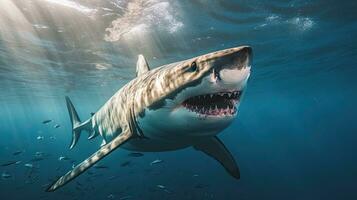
(193, 67)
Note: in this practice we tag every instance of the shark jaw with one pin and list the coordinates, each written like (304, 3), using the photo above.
(215, 105)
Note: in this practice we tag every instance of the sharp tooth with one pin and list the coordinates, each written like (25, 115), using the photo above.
(227, 107)
(211, 95)
(216, 107)
(229, 95)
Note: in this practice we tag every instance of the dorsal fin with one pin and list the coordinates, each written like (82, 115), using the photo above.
(142, 65)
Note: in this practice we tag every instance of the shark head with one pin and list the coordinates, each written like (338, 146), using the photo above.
(203, 93)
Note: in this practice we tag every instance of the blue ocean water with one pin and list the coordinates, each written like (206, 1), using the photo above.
(295, 135)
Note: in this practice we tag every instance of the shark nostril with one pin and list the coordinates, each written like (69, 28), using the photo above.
(216, 76)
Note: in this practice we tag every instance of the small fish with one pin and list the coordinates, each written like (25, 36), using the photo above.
(17, 162)
(163, 188)
(195, 175)
(45, 185)
(52, 137)
(63, 158)
(28, 165)
(40, 138)
(56, 126)
(125, 197)
(135, 154)
(39, 154)
(17, 153)
(111, 196)
(156, 162)
(96, 175)
(5, 175)
(100, 167)
(126, 163)
(47, 121)
(11, 163)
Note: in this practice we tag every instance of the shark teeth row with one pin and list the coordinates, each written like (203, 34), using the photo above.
(228, 95)
(229, 110)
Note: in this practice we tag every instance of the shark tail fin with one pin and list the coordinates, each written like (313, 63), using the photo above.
(77, 126)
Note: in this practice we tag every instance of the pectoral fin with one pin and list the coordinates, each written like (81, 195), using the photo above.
(213, 147)
(100, 154)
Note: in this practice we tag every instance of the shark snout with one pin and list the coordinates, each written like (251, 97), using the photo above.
(233, 68)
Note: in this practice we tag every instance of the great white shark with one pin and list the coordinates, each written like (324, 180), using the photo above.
(175, 106)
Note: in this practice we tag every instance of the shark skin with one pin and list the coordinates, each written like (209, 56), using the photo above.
(175, 106)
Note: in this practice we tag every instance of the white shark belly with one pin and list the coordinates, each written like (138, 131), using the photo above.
(158, 135)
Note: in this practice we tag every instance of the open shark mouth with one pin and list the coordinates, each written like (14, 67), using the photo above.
(218, 104)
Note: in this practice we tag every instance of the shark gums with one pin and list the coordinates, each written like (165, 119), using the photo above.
(175, 106)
